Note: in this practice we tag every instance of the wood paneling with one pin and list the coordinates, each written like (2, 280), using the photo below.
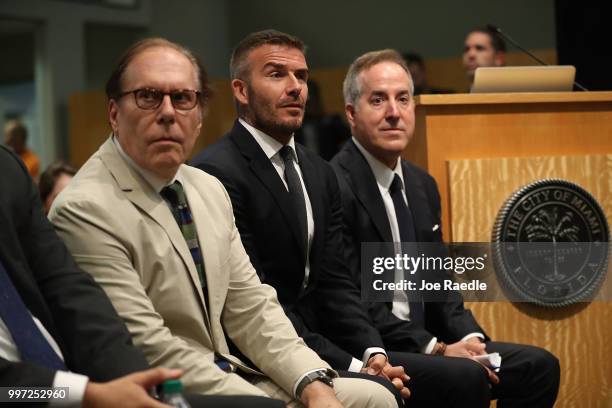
(580, 335)
(88, 124)
(478, 188)
(506, 125)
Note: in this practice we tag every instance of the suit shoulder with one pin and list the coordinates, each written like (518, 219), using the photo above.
(200, 178)
(10, 161)
(419, 172)
(336, 162)
(91, 183)
(313, 157)
(215, 153)
(92, 190)
(322, 166)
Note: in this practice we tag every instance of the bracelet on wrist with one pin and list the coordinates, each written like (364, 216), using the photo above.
(439, 349)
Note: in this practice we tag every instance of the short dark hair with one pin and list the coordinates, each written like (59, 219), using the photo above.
(498, 43)
(413, 58)
(257, 39)
(16, 130)
(113, 85)
(49, 177)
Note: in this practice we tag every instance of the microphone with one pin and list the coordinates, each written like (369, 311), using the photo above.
(505, 36)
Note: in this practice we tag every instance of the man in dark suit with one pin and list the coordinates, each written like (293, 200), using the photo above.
(386, 199)
(294, 243)
(287, 205)
(55, 321)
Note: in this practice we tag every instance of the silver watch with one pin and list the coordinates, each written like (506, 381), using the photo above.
(319, 375)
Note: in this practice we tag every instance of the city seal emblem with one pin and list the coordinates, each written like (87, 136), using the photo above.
(550, 244)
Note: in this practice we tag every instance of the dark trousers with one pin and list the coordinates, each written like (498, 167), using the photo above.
(529, 377)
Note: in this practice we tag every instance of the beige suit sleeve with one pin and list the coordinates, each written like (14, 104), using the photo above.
(96, 238)
(255, 321)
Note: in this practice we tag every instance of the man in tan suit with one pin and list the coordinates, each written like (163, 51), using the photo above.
(161, 240)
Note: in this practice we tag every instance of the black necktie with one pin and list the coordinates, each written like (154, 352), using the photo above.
(32, 345)
(297, 193)
(405, 222)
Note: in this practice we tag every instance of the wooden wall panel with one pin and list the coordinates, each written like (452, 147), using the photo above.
(580, 335)
(88, 125)
(464, 126)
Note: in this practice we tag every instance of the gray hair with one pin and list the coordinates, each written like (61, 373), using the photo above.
(351, 88)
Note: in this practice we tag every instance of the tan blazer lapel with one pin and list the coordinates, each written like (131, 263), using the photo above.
(142, 195)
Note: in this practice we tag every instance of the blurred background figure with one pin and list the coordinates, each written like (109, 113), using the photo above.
(483, 48)
(52, 181)
(15, 137)
(322, 133)
(418, 71)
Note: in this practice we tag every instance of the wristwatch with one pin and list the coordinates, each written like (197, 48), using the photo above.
(319, 375)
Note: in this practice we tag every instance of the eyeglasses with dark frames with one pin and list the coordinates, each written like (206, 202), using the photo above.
(151, 98)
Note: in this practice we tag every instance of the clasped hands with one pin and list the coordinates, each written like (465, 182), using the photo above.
(379, 365)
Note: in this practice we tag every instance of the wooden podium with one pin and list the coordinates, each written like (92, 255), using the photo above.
(481, 148)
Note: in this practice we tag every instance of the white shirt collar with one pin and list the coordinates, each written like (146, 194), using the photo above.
(268, 144)
(157, 183)
(383, 174)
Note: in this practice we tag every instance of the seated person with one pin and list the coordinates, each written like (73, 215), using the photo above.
(52, 181)
(418, 71)
(483, 48)
(160, 238)
(57, 326)
(16, 137)
(387, 199)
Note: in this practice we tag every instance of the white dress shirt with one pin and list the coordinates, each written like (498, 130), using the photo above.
(384, 177)
(157, 183)
(271, 148)
(75, 383)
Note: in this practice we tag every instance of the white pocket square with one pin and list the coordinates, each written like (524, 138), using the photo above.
(435, 227)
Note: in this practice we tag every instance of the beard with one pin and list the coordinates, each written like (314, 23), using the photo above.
(265, 118)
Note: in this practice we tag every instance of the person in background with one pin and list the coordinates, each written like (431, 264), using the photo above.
(322, 133)
(16, 137)
(417, 68)
(482, 48)
(52, 181)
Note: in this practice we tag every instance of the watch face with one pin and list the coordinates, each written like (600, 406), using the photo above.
(326, 379)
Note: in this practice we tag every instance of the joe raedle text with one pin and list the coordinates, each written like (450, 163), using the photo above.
(447, 284)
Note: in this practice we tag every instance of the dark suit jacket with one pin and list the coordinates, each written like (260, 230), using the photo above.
(328, 313)
(71, 306)
(366, 220)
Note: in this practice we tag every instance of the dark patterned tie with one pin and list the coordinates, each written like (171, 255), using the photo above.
(405, 222)
(297, 193)
(32, 345)
(175, 194)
